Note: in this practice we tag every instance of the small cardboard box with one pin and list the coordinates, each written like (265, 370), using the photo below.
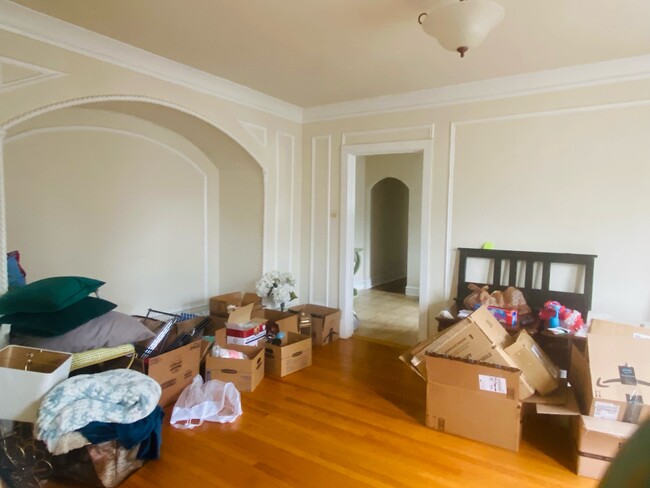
(597, 443)
(242, 329)
(26, 375)
(219, 305)
(173, 370)
(605, 327)
(290, 357)
(476, 400)
(253, 340)
(614, 382)
(325, 323)
(540, 372)
(246, 374)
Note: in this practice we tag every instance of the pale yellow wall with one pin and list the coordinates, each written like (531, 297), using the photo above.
(407, 168)
(563, 172)
(99, 194)
(269, 141)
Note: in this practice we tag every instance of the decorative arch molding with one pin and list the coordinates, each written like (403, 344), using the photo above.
(79, 101)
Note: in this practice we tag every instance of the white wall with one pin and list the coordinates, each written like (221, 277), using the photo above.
(562, 171)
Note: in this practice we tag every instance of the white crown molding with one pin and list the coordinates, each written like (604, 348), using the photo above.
(605, 72)
(35, 25)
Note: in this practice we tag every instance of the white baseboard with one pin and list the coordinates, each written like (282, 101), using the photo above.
(412, 291)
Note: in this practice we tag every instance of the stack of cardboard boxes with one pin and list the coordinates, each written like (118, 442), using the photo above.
(479, 378)
(612, 385)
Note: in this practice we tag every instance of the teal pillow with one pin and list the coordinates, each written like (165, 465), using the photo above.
(50, 324)
(48, 295)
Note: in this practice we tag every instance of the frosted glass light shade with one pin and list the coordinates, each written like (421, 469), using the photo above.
(459, 25)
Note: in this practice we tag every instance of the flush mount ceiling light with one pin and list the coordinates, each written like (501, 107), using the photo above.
(461, 24)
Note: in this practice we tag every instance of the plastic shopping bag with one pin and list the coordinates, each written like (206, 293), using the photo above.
(214, 401)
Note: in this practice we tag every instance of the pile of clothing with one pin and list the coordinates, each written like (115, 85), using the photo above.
(112, 418)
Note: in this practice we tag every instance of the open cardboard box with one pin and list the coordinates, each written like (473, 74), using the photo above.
(244, 330)
(480, 337)
(325, 323)
(245, 374)
(222, 305)
(293, 355)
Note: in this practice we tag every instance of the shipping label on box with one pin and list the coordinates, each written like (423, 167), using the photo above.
(289, 358)
(173, 370)
(479, 401)
(245, 374)
(614, 383)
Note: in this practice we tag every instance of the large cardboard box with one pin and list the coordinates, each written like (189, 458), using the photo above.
(290, 357)
(480, 337)
(325, 323)
(605, 327)
(476, 400)
(612, 381)
(245, 374)
(26, 375)
(597, 443)
(539, 370)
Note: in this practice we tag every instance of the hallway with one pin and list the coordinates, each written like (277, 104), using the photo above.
(386, 317)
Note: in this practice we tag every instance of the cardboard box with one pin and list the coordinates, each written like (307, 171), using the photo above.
(290, 357)
(614, 382)
(245, 374)
(285, 321)
(476, 400)
(219, 305)
(325, 323)
(605, 327)
(26, 375)
(597, 443)
(539, 370)
(254, 340)
(479, 337)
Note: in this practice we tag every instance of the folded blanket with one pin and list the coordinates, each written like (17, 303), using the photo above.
(120, 396)
(146, 432)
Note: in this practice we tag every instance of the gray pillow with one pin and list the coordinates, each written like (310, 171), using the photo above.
(108, 330)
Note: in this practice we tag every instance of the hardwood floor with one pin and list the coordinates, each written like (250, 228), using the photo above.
(354, 418)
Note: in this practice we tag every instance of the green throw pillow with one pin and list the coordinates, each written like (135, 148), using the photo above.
(50, 324)
(48, 295)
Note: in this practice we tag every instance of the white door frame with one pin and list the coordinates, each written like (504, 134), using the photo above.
(349, 154)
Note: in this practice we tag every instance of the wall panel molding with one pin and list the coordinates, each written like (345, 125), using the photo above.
(327, 140)
(393, 134)
(19, 74)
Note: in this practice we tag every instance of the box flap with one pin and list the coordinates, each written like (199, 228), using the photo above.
(569, 407)
(315, 310)
(535, 365)
(241, 315)
(605, 327)
(620, 430)
(490, 326)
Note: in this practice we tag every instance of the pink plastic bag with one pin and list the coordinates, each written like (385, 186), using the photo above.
(214, 401)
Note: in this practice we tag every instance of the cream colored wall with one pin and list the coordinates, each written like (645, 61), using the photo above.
(563, 171)
(113, 197)
(272, 141)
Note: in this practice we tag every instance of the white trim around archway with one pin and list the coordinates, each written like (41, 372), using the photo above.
(349, 154)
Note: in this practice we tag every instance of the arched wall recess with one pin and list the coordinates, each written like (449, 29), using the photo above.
(77, 102)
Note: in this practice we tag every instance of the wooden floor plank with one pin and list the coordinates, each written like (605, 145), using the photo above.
(355, 418)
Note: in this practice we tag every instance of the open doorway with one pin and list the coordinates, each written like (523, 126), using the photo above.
(355, 189)
(387, 242)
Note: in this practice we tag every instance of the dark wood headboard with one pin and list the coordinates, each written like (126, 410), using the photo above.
(535, 297)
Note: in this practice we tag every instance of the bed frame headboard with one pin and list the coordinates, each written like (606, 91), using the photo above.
(533, 261)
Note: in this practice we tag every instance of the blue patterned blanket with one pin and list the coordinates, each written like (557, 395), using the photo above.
(120, 396)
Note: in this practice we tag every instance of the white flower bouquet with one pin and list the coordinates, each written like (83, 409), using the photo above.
(277, 286)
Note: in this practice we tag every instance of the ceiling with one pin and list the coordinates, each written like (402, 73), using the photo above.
(318, 52)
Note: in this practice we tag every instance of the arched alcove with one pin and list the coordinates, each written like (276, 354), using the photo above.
(162, 205)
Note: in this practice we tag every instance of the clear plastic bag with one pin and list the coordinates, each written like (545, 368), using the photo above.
(214, 401)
